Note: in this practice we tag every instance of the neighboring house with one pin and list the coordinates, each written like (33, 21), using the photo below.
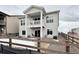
(38, 23)
(9, 24)
(75, 31)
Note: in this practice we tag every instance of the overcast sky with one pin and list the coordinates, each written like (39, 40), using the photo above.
(69, 14)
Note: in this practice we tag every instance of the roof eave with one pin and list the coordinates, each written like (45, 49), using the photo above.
(53, 12)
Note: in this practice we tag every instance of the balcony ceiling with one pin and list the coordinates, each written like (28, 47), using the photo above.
(34, 14)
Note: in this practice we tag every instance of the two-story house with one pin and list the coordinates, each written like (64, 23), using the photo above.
(39, 23)
(9, 24)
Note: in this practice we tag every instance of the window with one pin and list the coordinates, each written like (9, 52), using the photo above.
(22, 22)
(49, 19)
(54, 37)
(49, 32)
(23, 32)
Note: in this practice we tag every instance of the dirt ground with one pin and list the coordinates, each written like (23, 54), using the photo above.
(59, 47)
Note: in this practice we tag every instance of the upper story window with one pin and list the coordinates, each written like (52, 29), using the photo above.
(49, 32)
(22, 22)
(49, 19)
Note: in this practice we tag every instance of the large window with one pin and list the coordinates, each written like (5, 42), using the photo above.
(49, 32)
(22, 22)
(23, 32)
(49, 19)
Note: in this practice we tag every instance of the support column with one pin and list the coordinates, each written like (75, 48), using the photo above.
(41, 16)
(26, 25)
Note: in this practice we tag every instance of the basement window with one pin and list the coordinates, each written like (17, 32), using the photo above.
(23, 32)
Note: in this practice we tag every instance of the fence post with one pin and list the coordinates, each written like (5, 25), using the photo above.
(1, 48)
(67, 44)
(38, 45)
(72, 40)
(10, 42)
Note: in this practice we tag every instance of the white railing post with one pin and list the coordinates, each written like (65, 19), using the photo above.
(41, 24)
(26, 24)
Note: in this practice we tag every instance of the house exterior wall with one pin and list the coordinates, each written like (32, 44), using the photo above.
(5, 28)
(21, 28)
(12, 24)
(53, 26)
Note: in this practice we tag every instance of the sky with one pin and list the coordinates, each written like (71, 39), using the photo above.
(68, 17)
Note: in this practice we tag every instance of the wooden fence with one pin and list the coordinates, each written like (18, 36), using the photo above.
(39, 49)
(70, 40)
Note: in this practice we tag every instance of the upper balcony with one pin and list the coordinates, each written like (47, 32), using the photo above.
(2, 22)
(34, 20)
(34, 24)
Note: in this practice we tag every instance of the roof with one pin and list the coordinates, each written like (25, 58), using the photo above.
(19, 16)
(4, 14)
(16, 15)
(57, 11)
(34, 6)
